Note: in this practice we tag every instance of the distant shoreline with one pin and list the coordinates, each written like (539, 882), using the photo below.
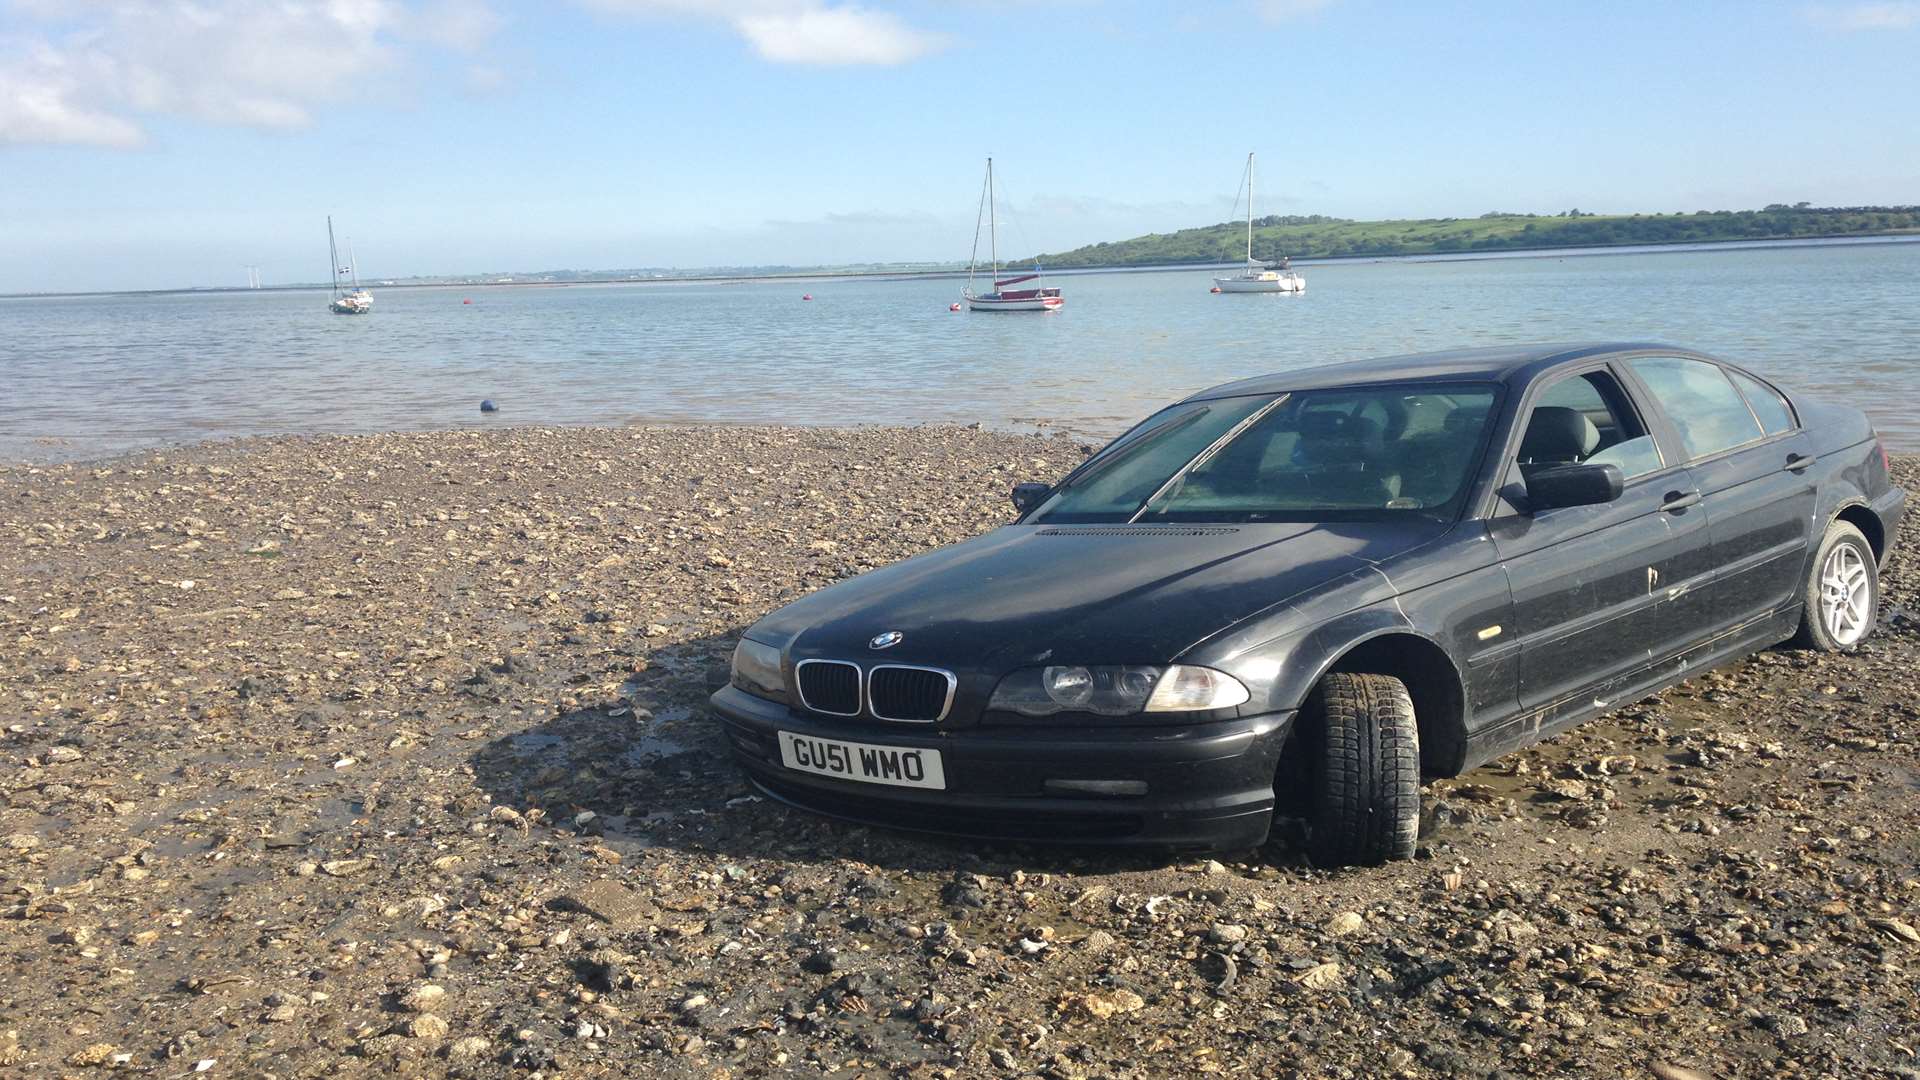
(828, 274)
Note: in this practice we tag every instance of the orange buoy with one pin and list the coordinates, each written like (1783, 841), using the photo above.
(1216, 288)
(808, 296)
(954, 307)
(466, 301)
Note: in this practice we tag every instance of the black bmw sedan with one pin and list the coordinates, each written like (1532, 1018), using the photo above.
(1302, 593)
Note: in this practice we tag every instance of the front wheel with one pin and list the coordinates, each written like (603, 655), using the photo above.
(1364, 763)
(1842, 592)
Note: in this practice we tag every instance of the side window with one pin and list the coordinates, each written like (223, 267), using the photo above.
(1709, 413)
(1584, 419)
(1767, 403)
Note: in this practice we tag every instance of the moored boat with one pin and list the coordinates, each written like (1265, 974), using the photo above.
(359, 302)
(1258, 277)
(1041, 297)
(352, 300)
(1005, 299)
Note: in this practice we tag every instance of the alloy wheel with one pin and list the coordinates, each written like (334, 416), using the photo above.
(1846, 595)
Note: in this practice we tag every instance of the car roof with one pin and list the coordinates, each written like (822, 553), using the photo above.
(1512, 364)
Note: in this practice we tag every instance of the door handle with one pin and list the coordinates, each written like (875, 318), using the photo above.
(1799, 462)
(1677, 501)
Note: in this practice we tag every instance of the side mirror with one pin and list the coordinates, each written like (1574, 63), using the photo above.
(1028, 496)
(1573, 485)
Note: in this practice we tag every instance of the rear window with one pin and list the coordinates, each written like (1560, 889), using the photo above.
(1709, 413)
(1772, 409)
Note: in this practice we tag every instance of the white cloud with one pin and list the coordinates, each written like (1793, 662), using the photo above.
(859, 218)
(39, 104)
(98, 66)
(453, 24)
(845, 35)
(802, 31)
(481, 80)
(1287, 10)
(1893, 15)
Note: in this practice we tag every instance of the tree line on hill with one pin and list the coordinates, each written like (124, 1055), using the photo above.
(1319, 236)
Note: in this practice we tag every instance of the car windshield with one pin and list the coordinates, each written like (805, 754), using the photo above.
(1353, 454)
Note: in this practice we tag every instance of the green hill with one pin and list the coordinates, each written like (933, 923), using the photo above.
(1315, 236)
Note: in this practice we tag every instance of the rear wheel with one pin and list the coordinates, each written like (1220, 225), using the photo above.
(1842, 592)
(1364, 771)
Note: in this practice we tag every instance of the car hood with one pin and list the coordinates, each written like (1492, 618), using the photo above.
(1030, 594)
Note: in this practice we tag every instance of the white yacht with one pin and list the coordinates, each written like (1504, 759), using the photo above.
(1258, 276)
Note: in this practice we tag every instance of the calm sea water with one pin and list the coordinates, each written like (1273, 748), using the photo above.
(93, 375)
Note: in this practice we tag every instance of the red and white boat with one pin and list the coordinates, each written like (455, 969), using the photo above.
(1002, 298)
(1040, 297)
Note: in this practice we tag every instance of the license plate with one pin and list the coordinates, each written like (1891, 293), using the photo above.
(869, 763)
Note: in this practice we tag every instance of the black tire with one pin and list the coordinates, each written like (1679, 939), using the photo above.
(1363, 752)
(1816, 630)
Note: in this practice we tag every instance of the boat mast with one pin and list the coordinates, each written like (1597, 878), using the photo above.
(353, 264)
(1249, 207)
(993, 227)
(333, 255)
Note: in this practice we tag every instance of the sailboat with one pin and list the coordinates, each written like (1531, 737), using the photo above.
(349, 301)
(1038, 298)
(1258, 276)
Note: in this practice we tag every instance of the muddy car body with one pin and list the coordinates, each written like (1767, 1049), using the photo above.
(1303, 592)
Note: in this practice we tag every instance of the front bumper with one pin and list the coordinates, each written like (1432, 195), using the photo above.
(1207, 786)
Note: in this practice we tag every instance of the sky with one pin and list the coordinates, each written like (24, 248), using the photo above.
(170, 143)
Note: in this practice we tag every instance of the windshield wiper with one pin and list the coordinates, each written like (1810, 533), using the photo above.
(1120, 454)
(1207, 455)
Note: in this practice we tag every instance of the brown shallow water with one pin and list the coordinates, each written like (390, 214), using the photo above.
(355, 755)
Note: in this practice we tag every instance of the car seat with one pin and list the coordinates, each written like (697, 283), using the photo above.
(1558, 435)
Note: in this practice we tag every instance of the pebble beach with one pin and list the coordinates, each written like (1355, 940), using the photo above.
(386, 754)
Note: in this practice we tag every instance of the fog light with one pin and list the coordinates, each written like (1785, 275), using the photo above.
(1095, 787)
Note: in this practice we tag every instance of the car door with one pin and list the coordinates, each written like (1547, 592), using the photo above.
(1751, 462)
(1586, 580)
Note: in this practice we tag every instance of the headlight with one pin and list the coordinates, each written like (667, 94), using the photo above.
(1116, 690)
(1184, 689)
(756, 669)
